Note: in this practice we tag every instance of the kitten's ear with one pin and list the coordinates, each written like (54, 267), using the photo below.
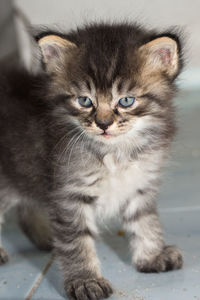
(54, 51)
(161, 54)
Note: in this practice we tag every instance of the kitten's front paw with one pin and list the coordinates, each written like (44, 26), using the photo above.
(169, 259)
(89, 289)
(3, 256)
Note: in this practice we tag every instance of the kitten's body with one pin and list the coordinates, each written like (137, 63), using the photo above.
(56, 161)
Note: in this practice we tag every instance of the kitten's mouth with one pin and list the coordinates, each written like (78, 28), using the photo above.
(106, 135)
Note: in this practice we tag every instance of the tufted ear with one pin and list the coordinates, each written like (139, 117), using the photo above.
(161, 54)
(54, 51)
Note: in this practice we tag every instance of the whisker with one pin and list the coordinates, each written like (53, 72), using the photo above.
(67, 148)
(69, 157)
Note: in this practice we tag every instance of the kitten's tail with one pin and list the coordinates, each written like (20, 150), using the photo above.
(35, 225)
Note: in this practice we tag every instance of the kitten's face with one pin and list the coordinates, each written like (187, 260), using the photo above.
(113, 92)
(109, 114)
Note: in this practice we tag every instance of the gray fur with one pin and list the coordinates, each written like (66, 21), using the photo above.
(57, 164)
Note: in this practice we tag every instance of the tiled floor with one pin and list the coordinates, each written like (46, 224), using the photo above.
(31, 274)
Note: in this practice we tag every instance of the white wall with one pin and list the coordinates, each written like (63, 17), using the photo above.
(156, 13)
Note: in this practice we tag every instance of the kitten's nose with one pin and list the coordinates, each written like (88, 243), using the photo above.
(103, 124)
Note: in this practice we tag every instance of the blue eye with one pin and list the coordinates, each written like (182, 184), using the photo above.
(126, 101)
(85, 101)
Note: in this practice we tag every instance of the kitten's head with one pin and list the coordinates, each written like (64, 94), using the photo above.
(116, 80)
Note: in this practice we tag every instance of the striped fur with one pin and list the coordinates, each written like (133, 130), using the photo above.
(65, 172)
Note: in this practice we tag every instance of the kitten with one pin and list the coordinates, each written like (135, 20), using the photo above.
(84, 140)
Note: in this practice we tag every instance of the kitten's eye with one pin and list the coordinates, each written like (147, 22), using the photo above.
(126, 101)
(84, 101)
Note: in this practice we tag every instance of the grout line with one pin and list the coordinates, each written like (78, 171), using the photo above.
(39, 280)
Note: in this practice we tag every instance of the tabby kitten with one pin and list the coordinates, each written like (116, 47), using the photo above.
(84, 140)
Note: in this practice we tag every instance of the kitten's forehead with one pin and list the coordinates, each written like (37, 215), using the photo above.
(119, 88)
(122, 86)
(110, 72)
(105, 66)
(104, 56)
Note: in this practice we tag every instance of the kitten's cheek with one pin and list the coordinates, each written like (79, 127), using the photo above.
(94, 130)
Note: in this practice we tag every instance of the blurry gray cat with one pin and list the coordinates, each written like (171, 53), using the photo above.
(84, 139)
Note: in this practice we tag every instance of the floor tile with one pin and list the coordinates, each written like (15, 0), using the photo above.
(26, 262)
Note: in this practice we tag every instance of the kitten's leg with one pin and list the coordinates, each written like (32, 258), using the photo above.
(74, 230)
(35, 225)
(6, 202)
(3, 254)
(8, 199)
(150, 254)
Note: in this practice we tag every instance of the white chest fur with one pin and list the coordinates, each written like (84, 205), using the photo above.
(115, 182)
(121, 181)
(118, 182)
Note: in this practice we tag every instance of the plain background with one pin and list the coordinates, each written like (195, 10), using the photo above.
(152, 13)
